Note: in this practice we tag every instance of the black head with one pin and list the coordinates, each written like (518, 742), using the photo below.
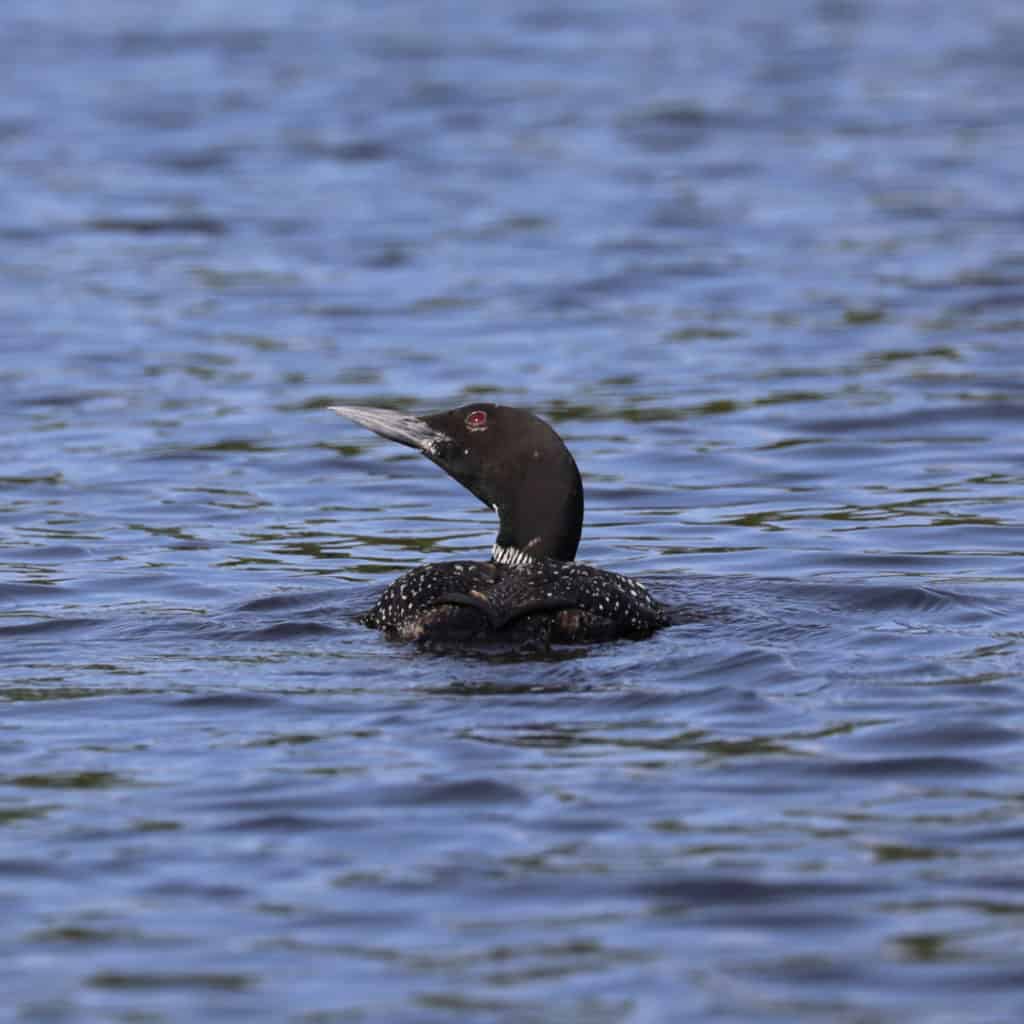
(510, 459)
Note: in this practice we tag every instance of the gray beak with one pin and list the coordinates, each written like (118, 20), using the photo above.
(395, 426)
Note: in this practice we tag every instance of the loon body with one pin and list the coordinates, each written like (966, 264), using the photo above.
(531, 589)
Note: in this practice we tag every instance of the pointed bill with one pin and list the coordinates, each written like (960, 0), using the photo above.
(395, 426)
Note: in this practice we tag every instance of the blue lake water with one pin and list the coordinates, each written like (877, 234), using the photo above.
(763, 268)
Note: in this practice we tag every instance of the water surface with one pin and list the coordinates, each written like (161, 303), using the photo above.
(763, 270)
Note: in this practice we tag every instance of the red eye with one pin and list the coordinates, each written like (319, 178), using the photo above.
(477, 420)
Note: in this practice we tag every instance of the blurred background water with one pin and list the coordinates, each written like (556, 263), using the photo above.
(763, 267)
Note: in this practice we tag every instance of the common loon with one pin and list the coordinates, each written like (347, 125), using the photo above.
(531, 588)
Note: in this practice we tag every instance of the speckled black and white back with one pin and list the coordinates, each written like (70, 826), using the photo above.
(543, 599)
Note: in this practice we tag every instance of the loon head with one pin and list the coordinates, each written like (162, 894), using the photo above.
(510, 459)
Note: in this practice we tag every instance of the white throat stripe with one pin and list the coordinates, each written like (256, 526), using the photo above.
(510, 556)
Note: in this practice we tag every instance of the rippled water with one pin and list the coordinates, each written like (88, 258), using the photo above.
(762, 266)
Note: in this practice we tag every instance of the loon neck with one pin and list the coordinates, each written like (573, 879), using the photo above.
(539, 500)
